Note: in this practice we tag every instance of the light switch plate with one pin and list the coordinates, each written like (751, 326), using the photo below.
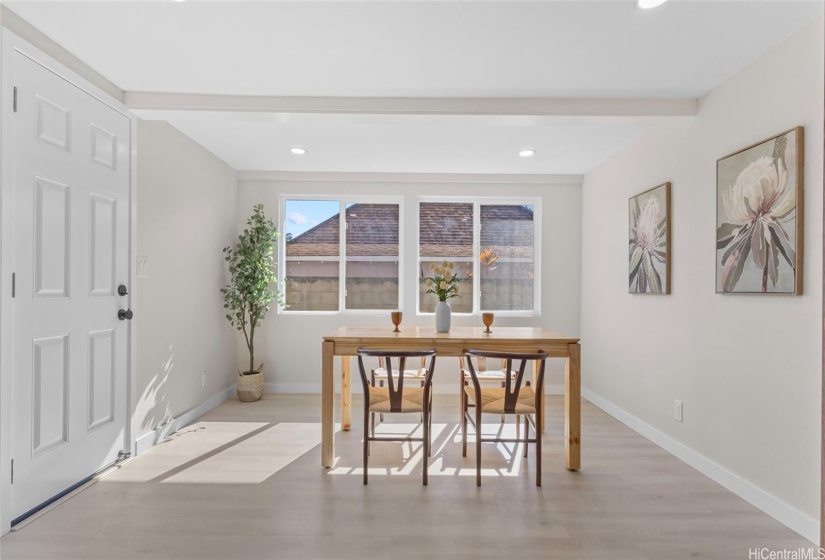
(143, 267)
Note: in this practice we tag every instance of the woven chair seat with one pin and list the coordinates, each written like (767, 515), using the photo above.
(381, 373)
(492, 400)
(493, 375)
(413, 400)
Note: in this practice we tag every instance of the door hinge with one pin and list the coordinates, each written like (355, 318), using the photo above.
(12, 471)
(15, 99)
(13, 284)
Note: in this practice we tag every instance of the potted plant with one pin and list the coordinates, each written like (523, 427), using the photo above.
(253, 287)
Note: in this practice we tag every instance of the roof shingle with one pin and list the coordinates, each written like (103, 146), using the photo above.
(445, 230)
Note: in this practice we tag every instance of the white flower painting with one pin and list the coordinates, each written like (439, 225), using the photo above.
(759, 226)
(650, 241)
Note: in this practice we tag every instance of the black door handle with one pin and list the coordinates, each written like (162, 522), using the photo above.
(122, 291)
(124, 314)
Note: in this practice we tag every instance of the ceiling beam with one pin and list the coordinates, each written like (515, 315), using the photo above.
(369, 177)
(564, 107)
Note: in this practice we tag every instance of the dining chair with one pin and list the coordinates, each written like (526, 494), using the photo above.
(396, 398)
(379, 375)
(485, 375)
(513, 398)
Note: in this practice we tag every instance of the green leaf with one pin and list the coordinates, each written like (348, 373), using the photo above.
(652, 275)
(759, 249)
(735, 264)
(725, 234)
(783, 243)
(742, 234)
(635, 261)
(773, 263)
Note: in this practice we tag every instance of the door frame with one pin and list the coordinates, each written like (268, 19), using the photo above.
(10, 43)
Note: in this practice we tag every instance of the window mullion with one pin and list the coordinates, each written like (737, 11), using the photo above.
(342, 256)
(476, 261)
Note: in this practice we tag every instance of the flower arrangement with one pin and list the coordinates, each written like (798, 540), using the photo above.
(444, 282)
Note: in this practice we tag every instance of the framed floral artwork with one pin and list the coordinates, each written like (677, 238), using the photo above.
(650, 241)
(759, 217)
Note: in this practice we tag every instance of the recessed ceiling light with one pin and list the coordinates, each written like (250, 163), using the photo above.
(647, 4)
(526, 153)
(298, 151)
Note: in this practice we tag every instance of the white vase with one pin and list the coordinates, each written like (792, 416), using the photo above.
(443, 316)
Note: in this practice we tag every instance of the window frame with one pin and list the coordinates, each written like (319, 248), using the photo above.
(343, 201)
(478, 202)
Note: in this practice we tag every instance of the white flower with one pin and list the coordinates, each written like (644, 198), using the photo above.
(760, 190)
(648, 233)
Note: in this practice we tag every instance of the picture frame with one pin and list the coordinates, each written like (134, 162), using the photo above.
(649, 255)
(760, 217)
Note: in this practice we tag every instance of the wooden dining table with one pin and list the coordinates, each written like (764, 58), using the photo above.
(345, 342)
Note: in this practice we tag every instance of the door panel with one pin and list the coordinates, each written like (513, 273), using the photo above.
(71, 245)
(52, 247)
(102, 367)
(53, 124)
(102, 253)
(51, 397)
(104, 147)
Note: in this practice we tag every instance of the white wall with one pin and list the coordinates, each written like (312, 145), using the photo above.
(24, 30)
(186, 215)
(290, 345)
(748, 368)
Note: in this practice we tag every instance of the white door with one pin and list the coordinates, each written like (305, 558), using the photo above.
(71, 250)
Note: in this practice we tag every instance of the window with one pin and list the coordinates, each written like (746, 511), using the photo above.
(506, 257)
(316, 241)
(445, 233)
(372, 256)
(492, 247)
(313, 246)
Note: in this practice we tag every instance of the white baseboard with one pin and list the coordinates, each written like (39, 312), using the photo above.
(786, 514)
(439, 389)
(157, 435)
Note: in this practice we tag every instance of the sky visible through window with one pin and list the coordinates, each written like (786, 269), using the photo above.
(302, 215)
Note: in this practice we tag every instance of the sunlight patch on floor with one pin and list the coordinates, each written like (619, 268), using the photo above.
(404, 458)
(221, 453)
(255, 459)
(186, 445)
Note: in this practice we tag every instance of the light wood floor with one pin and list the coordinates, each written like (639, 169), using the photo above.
(245, 482)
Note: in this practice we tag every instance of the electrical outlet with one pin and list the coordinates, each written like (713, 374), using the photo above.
(203, 378)
(677, 411)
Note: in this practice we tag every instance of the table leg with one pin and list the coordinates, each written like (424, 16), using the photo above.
(327, 405)
(536, 366)
(572, 408)
(346, 393)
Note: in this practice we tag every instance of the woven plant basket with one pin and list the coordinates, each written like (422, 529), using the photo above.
(251, 387)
